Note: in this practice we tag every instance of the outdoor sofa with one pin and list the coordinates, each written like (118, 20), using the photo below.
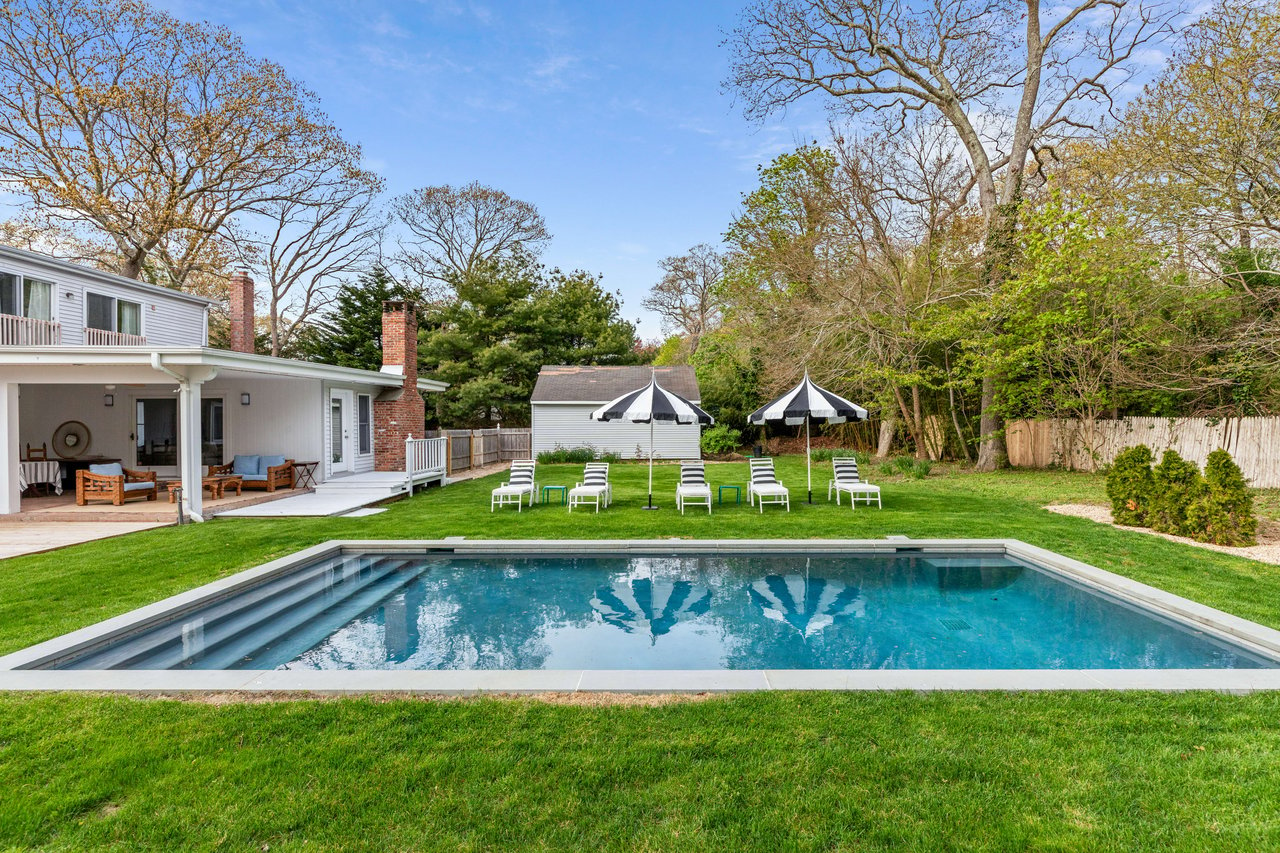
(258, 472)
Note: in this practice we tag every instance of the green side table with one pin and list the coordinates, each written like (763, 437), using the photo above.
(563, 490)
(737, 494)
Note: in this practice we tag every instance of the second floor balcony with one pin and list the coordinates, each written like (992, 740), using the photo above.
(28, 332)
(18, 331)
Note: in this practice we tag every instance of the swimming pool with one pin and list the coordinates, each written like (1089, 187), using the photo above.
(659, 607)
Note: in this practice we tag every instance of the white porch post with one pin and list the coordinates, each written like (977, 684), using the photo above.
(10, 497)
(189, 442)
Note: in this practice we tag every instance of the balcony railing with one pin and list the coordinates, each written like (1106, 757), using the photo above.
(105, 338)
(28, 332)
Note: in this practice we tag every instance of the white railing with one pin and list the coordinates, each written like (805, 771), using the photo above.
(424, 456)
(27, 332)
(107, 338)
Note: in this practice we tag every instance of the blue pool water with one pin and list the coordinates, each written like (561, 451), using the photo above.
(845, 611)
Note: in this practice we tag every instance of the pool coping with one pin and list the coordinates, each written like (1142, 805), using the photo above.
(16, 673)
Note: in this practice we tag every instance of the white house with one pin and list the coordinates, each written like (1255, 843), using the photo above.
(127, 368)
(565, 396)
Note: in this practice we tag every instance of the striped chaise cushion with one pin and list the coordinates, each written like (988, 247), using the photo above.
(761, 475)
(521, 477)
(846, 472)
(595, 477)
(693, 475)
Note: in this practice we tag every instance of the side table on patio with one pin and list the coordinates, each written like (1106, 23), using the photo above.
(304, 474)
(563, 490)
(737, 494)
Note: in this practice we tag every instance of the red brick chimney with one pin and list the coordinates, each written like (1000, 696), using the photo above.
(394, 420)
(241, 312)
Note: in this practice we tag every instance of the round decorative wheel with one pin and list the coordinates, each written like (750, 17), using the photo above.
(71, 439)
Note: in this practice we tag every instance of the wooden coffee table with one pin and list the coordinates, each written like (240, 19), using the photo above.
(217, 486)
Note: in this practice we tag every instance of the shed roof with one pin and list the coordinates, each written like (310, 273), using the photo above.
(572, 383)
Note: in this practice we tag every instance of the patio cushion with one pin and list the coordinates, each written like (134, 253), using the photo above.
(256, 478)
(111, 469)
(265, 462)
(243, 465)
(139, 487)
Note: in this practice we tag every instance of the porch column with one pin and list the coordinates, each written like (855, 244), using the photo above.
(189, 441)
(10, 453)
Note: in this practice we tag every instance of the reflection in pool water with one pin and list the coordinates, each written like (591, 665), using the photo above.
(648, 606)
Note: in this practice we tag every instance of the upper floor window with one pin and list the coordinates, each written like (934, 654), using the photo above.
(26, 297)
(113, 315)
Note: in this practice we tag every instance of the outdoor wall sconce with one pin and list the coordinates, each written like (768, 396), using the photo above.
(108, 400)
(244, 399)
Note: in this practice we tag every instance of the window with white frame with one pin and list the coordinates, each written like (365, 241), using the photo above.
(26, 297)
(364, 407)
(113, 315)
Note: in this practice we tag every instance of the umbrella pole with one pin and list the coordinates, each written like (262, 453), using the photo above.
(650, 504)
(808, 460)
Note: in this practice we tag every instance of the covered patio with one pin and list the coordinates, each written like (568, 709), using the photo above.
(175, 412)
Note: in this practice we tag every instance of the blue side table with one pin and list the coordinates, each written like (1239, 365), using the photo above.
(737, 494)
(563, 490)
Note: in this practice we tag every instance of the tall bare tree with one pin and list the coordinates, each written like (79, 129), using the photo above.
(328, 226)
(686, 297)
(454, 230)
(1007, 76)
(120, 119)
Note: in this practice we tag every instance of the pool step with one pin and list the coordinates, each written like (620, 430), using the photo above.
(226, 644)
(170, 645)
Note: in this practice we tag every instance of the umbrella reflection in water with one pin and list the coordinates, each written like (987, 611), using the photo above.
(647, 606)
(805, 603)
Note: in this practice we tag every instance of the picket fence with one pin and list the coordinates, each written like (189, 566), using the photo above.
(468, 448)
(1254, 443)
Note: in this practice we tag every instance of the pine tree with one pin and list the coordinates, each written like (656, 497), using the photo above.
(350, 335)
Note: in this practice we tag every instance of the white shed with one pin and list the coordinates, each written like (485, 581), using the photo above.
(565, 396)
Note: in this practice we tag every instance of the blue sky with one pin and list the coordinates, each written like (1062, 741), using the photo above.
(608, 116)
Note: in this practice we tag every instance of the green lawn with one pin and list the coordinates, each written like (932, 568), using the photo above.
(768, 772)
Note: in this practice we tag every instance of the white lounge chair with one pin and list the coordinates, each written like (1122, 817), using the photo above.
(693, 487)
(602, 466)
(594, 489)
(846, 479)
(520, 482)
(764, 486)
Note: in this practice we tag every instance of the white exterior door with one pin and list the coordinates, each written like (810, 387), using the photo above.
(342, 434)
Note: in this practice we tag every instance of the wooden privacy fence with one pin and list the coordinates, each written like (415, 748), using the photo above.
(1254, 443)
(467, 448)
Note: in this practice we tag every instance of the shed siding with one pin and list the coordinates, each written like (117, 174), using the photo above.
(165, 321)
(570, 425)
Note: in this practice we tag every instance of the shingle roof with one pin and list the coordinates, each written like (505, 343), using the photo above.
(569, 383)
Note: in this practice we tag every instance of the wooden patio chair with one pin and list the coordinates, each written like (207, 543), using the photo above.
(106, 484)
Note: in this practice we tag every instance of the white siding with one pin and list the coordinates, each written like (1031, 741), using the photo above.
(570, 425)
(166, 320)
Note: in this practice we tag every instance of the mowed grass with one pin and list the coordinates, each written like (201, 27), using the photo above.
(754, 772)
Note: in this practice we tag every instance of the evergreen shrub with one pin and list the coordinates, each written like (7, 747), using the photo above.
(1176, 483)
(1129, 486)
(1223, 512)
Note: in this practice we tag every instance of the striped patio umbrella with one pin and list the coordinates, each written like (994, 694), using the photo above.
(804, 403)
(648, 404)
